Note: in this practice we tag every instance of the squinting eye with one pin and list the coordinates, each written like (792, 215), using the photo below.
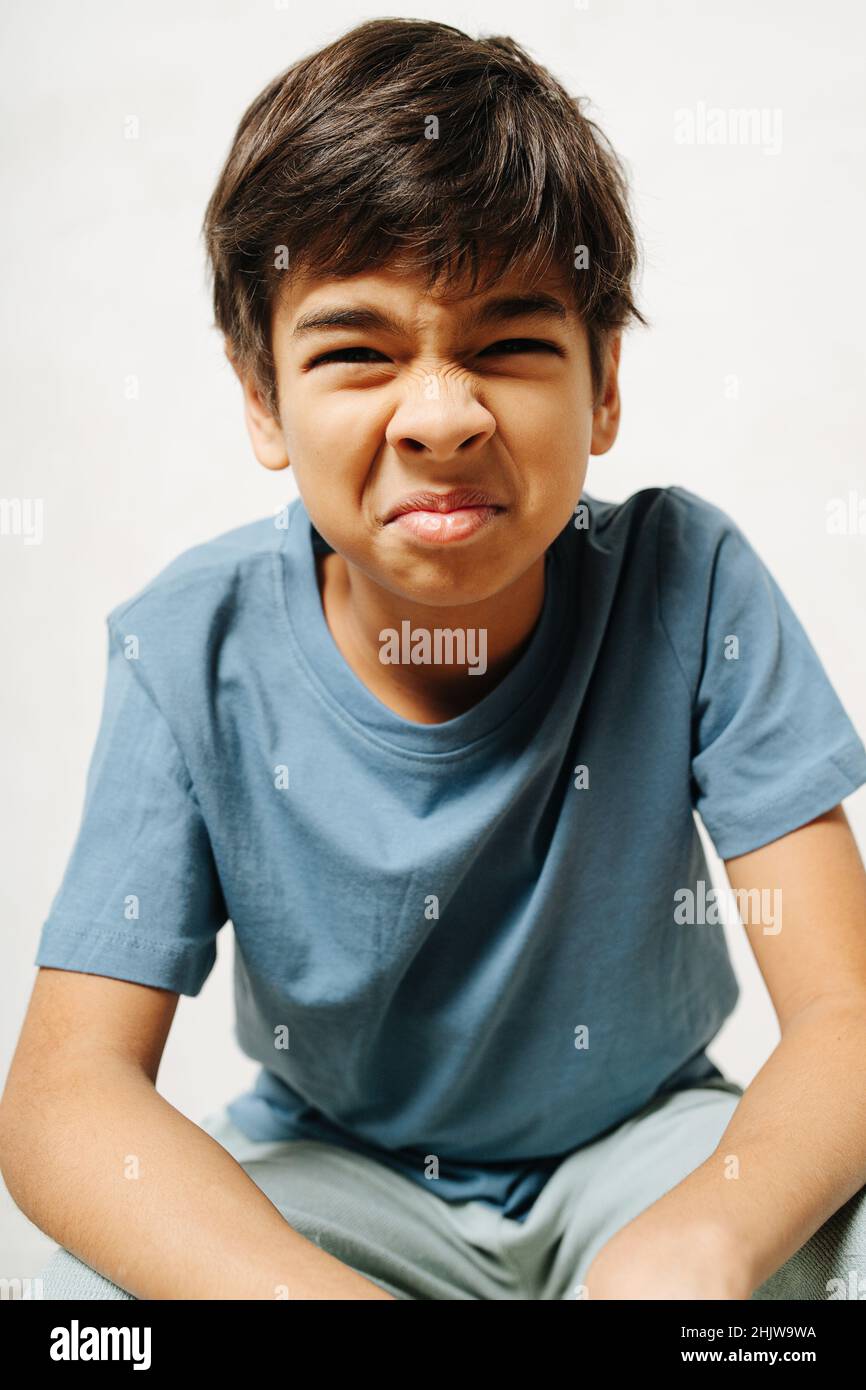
(347, 355)
(367, 356)
(508, 346)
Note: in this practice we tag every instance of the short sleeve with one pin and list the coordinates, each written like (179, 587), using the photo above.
(140, 898)
(771, 745)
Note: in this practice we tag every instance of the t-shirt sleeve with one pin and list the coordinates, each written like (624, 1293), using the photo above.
(772, 747)
(140, 898)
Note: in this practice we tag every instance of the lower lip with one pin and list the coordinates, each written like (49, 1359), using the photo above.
(441, 528)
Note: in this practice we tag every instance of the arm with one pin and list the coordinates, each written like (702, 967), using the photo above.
(81, 1099)
(799, 1132)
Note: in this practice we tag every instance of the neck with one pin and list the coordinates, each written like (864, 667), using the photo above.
(450, 674)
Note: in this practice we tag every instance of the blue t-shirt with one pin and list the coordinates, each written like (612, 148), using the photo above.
(458, 946)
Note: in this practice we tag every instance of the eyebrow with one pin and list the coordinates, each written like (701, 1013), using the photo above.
(500, 309)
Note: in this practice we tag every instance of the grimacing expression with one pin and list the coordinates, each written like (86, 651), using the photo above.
(384, 390)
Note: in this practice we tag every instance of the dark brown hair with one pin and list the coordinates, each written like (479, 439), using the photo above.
(333, 161)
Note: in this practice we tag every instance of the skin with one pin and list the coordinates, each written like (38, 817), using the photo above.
(433, 401)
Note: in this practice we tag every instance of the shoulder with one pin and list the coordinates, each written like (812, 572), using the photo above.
(667, 534)
(671, 515)
(694, 524)
(672, 529)
(685, 556)
(705, 558)
(209, 611)
(203, 581)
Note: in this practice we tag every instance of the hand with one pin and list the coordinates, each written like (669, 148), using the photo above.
(650, 1259)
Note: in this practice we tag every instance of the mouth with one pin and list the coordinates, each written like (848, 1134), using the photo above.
(440, 518)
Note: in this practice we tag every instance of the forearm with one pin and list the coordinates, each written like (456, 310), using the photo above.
(118, 1176)
(794, 1150)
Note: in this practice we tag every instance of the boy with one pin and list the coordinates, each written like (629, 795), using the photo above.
(432, 740)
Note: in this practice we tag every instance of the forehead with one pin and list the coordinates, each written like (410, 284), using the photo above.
(405, 297)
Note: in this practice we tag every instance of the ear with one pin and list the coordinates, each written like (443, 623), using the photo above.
(606, 415)
(263, 428)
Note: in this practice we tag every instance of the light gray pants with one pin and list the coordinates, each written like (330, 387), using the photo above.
(415, 1245)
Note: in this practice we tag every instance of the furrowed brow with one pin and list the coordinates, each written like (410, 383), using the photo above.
(364, 316)
(349, 316)
(505, 307)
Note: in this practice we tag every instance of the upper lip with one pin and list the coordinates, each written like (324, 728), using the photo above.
(443, 501)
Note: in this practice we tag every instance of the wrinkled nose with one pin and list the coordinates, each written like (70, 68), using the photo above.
(442, 423)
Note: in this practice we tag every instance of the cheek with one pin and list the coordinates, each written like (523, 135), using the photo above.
(553, 406)
(331, 436)
(548, 432)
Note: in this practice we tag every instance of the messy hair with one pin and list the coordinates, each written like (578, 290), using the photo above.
(409, 143)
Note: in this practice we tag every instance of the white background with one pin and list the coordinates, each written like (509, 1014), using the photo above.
(748, 389)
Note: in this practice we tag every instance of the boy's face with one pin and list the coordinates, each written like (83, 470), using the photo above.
(385, 391)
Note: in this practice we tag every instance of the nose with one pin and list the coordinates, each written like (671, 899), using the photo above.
(440, 421)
